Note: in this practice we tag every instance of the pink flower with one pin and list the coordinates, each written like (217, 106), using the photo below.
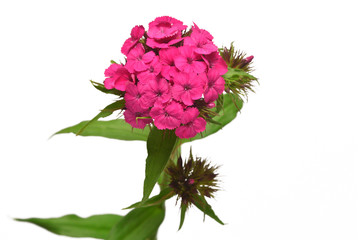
(188, 87)
(137, 59)
(167, 58)
(216, 62)
(117, 77)
(156, 90)
(136, 33)
(154, 68)
(137, 119)
(188, 61)
(164, 27)
(205, 33)
(191, 124)
(200, 40)
(167, 116)
(164, 32)
(134, 98)
(215, 85)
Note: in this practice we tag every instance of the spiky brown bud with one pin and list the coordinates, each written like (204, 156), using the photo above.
(192, 178)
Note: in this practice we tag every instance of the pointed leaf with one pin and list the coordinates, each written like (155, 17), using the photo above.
(139, 224)
(107, 111)
(97, 226)
(165, 194)
(115, 129)
(229, 113)
(182, 216)
(101, 87)
(160, 145)
(202, 205)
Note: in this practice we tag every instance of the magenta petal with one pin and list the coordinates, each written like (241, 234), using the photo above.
(177, 91)
(199, 67)
(186, 98)
(148, 57)
(210, 95)
(219, 85)
(109, 83)
(180, 62)
(199, 124)
(185, 132)
(137, 32)
(120, 84)
(190, 114)
(140, 66)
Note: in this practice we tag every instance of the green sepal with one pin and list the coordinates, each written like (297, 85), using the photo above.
(203, 206)
(182, 215)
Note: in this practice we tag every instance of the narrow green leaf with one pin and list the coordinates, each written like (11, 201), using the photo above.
(165, 194)
(139, 224)
(97, 226)
(202, 205)
(107, 111)
(160, 145)
(229, 113)
(182, 216)
(115, 129)
(101, 87)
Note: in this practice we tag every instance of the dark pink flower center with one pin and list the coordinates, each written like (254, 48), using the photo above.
(151, 69)
(138, 96)
(190, 60)
(187, 87)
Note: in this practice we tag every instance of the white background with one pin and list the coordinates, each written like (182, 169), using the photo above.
(290, 161)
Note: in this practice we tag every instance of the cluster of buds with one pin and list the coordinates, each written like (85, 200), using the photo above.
(238, 79)
(169, 72)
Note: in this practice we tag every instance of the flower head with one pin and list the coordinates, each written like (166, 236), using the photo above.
(189, 61)
(137, 59)
(215, 85)
(117, 77)
(187, 87)
(167, 116)
(136, 33)
(191, 124)
(164, 32)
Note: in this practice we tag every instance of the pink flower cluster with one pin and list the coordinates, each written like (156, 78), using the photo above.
(167, 71)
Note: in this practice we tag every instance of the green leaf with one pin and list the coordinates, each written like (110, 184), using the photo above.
(115, 129)
(182, 216)
(165, 194)
(229, 113)
(139, 224)
(101, 87)
(97, 226)
(107, 111)
(202, 205)
(160, 145)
